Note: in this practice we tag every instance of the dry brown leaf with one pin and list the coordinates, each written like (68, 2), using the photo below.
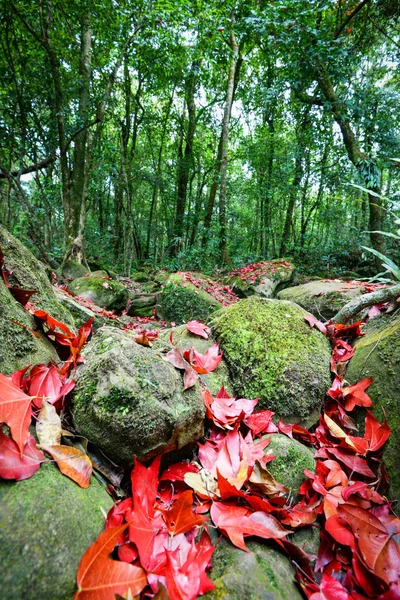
(338, 431)
(48, 426)
(265, 481)
(72, 462)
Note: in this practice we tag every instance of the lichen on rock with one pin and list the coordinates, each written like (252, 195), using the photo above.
(30, 274)
(292, 458)
(129, 401)
(272, 354)
(101, 290)
(21, 345)
(47, 522)
(377, 355)
(181, 301)
(323, 298)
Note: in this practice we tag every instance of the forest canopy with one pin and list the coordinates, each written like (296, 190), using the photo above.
(191, 134)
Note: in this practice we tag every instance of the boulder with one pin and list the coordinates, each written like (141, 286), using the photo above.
(141, 277)
(30, 274)
(47, 522)
(19, 346)
(81, 313)
(99, 289)
(180, 300)
(273, 354)
(377, 355)
(142, 305)
(185, 340)
(264, 573)
(129, 401)
(72, 270)
(264, 279)
(292, 458)
(323, 298)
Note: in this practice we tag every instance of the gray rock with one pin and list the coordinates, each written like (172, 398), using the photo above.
(100, 290)
(377, 355)
(180, 301)
(323, 299)
(72, 270)
(80, 313)
(129, 401)
(21, 343)
(47, 522)
(277, 274)
(30, 274)
(185, 340)
(292, 458)
(142, 305)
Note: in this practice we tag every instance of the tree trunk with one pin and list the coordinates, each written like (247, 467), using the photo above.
(298, 174)
(217, 168)
(225, 146)
(185, 160)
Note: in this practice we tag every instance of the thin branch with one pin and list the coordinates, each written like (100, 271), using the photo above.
(383, 32)
(350, 17)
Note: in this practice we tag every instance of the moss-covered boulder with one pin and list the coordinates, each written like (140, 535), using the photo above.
(377, 355)
(180, 300)
(264, 573)
(46, 524)
(141, 277)
(323, 298)
(292, 458)
(141, 305)
(72, 270)
(19, 346)
(101, 290)
(264, 278)
(185, 340)
(129, 401)
(272, 354)
(30, 274)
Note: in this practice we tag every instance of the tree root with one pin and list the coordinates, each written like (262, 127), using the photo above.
(351, 309)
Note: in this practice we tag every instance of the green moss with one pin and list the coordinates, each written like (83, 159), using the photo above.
(262, 574)
(19, 346)
(102, 291)
(47, 522)
(128, 400)
(273, 354)
(377, 355)
(30, 274)
(292, 458)
(181, 301)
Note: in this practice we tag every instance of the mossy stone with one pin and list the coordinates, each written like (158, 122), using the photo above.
(277, 275)
(72, 270)
(142, 305)
(292, 458)
(180, 301)
(82, 314)
(129, 401)
(264, 573)
(140, 277)
(185, 340)
(30, 274)
(100, 290)
(322, 298)
(47, 522)
(377, 355)
(19, 346)
(273, 354)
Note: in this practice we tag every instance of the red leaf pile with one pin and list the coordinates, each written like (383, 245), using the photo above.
(359, 551)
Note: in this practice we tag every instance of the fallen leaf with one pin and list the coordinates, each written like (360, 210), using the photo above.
(100, 577)
(72, 462)
(48, 425)
(198, 329)
(15, 411)
(17, 465)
